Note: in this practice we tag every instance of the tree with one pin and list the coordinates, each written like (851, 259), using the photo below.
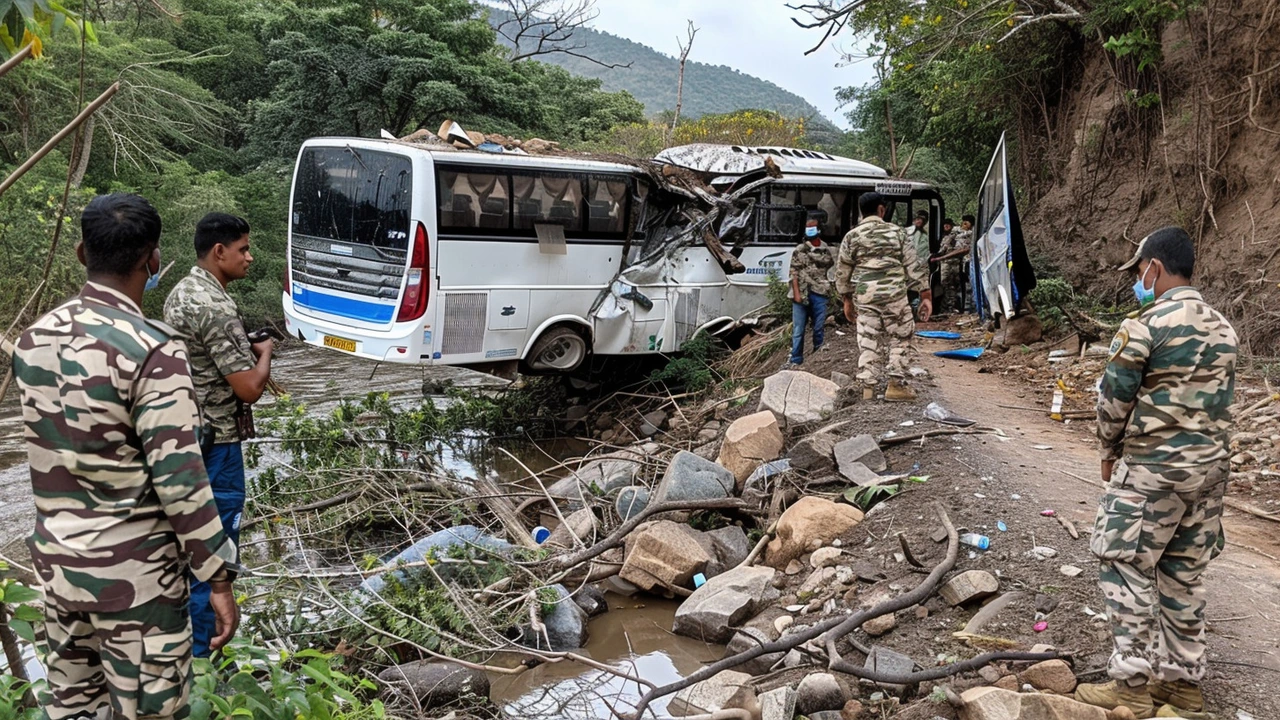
(546, 27)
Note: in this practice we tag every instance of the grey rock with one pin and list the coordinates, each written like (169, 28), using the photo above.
(566, 625)
(861, 449)
(712, 611)
(748, 638)
(462, 535)
(798, 398)
(436, 683)
(859, 474)
(731, 545)
(826, 715)
(690, 477)
(609, 473)
(726, 690)
(779, 704)
(818, 692)
(652, 423)
(887, 661)
(591, 600)
(814, 453)
(841, 379)
(632, 501)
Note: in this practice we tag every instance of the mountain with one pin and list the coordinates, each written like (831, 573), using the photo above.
(651, 79)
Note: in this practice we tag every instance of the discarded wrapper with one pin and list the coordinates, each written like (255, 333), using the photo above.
(1055, 411)
(1048, 513)
(1040, 626)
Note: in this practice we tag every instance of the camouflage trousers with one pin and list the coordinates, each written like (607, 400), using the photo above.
(1156, 531)
(952, 279)
(884, 327)
(130, 664)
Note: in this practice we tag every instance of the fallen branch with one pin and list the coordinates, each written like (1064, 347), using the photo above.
(759, 548)
(900, 439)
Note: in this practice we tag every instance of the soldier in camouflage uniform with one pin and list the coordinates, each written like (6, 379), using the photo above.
(229, 373)
(1163, 414)
(123, 506)
(952, 257)
(876, 267)
(810, 262)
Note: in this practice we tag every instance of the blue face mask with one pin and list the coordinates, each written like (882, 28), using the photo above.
(1145, 297)
(153, 281)
(811, 232)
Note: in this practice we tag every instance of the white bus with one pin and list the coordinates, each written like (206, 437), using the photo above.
(413, 253)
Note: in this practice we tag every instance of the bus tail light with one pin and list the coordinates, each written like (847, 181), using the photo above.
(418, 283)
(288, 281)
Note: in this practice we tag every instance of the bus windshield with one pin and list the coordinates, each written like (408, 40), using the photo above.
(353, 196)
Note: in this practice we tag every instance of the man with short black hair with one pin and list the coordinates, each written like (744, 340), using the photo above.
(810, 262)
(230, 374)
(952, 261)
(875, 268)
(1163, 413)
(123, 506)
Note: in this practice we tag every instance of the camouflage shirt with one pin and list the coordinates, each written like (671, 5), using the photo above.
(919, 239)
(200, 309)
(809, 266)
(1165, 394)
(956, 240)
(120, 489)
(877, 263)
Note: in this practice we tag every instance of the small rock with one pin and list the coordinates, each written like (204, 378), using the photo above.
(825, 557)
(939, 535)
(1008, 682)
(1053, 675)
(779, 704)
(1070, 570)
(841, 379)
(631, 501)
(969, 586)
(876, 627)
(652, 423)
(798, 398)
(818, 692)
(795, 567)
(860, 475)
(566, 625)
(990, 674)
(782, 623)
(1042, 648)
(1041, 552)
(851, 710)
(814, 453)
(889, 662)
(746, 639)
(922, 612)
(591, 600)
(714, 609)
(860, 449)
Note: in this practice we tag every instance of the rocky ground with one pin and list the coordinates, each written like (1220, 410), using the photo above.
(1025, 481)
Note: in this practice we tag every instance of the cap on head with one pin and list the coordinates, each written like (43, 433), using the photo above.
(1172, 246)
(922, 215)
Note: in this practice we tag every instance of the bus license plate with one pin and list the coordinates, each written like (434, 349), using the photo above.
(340, 343)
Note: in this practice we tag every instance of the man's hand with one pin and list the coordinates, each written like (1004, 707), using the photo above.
(226, 613)
(849, 313)
(1108, 466)
(265, 347)
(926, 309)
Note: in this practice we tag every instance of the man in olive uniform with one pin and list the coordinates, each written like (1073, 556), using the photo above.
(229, 373)
(123, 505)
(876, 267)
(1163, 414)
(810, 262)
(952, 258)
(918, 237)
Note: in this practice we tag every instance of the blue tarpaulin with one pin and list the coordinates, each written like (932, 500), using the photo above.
(961, 354)
(939, 334)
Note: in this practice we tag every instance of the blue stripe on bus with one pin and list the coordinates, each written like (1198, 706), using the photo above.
(342, 307)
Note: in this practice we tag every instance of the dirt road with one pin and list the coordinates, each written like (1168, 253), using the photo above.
(1043, 464)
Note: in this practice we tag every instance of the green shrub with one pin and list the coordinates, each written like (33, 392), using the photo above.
(250, 682)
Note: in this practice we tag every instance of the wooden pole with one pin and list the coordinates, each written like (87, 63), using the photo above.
(14, 61)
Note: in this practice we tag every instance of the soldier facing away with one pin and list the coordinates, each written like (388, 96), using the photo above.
(229, 372)
(1163, 415)
(876, 267)
(123, 505)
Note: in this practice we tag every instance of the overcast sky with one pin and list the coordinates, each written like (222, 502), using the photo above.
(754, 36)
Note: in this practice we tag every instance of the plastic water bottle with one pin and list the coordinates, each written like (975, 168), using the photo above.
(540, 534)
(982, 542)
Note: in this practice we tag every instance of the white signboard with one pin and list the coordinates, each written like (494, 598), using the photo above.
(894, 189)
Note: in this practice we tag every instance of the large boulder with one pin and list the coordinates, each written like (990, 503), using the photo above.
(663, 555)
(798, 398)
(566, 625)
(438, 542)
(990, 703)
(690, 477)
(731, 545)
(810, 520)
(860, 449)
(814, 453)
(724, 691)
(750, 442)
(713, 610)
(609, 474)
(435, 683)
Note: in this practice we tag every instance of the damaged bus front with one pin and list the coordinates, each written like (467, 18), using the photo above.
(418, 252)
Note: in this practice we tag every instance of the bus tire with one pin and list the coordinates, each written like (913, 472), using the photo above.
(559, 350)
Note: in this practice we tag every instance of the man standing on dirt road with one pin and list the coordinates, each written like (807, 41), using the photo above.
(876, 267)
(230, 375)
(810, 262)
(954, 253)
(1163, 414)
(123, 506)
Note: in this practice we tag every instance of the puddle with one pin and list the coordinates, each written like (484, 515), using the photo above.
(634, 639)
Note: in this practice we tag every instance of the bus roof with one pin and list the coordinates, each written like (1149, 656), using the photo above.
(447, 154)
(813, 162)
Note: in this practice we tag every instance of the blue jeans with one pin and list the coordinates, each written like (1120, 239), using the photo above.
(225, 465)
(801, 316)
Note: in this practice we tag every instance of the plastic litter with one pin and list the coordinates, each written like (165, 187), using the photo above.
(938, 334)
(939, 414)
(1041, 552)
(699, 580)
(768, 470)
(1055, 411)
(1001, 526)
(961, 354)
(540, 534)
(1040, 626)
(982, 542)
(1048, 513)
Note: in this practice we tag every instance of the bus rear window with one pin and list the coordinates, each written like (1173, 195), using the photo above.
(354, 196)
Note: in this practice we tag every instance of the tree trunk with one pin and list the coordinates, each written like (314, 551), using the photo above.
(684, 58)
(82, 153)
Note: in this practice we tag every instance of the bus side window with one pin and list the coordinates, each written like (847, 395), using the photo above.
(605, 207)
(471, 200)
(548, 199)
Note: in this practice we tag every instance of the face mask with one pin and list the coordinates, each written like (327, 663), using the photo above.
(1145, 297)
(811, 232)
(153, 281)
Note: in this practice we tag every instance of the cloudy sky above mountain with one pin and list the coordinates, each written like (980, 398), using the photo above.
(754, 36)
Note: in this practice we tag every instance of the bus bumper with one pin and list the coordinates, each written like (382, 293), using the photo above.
(407, 343)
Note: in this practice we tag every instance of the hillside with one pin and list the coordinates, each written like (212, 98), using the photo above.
(651, 79)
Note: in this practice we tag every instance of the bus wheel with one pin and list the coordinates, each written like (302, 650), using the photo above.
(559, 350)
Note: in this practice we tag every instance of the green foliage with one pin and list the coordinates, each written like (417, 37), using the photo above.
(691, 370)
(12, 694)
(1051, 298)
(252, 682)
(778, 293)
(22, 22)
(1132, 29)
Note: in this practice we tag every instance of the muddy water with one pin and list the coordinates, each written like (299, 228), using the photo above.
(634, 634)
(635, 637)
